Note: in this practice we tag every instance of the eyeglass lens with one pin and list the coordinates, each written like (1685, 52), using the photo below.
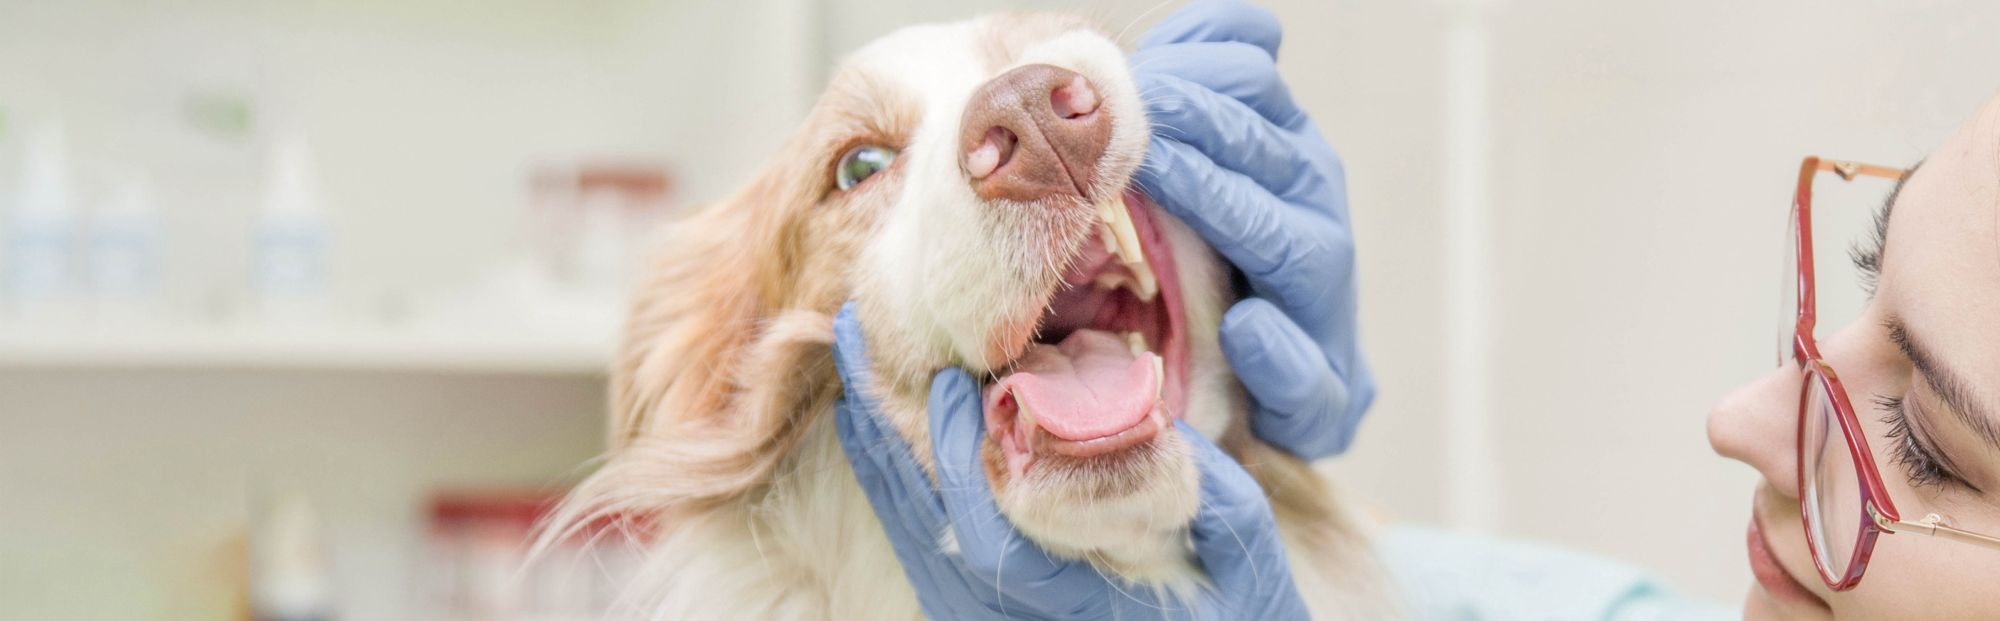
(1832, 494)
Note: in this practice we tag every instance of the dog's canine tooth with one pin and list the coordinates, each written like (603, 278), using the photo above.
(1136, 342)
(1105, 235)
(1122, 238)
(1148, 285)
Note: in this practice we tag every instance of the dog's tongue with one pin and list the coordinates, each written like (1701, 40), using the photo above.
(1091, 385)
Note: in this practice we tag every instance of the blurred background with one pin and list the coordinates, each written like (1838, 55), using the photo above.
(322, 292)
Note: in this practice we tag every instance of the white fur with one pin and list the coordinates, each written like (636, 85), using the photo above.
(810, 548)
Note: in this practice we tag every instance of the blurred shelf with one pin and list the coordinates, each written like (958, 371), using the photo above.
(582, 348)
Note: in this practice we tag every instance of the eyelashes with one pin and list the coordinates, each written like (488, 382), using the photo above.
(1922, 465)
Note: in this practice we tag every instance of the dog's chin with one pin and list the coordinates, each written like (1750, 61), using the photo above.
(1127, 512)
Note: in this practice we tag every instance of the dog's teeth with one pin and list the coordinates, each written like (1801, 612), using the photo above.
(1147, 285)
(1122, 239)
(1128, 249)
(1113, 280)
(1136, 342)
(1159, 378)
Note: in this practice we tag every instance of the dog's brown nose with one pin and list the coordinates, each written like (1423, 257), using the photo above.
(1032, 133)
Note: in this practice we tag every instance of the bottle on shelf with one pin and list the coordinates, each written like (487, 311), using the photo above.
(41, 234)
(292, 242)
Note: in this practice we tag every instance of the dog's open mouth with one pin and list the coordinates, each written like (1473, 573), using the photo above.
(1108, 365)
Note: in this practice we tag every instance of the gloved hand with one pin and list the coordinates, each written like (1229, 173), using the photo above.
(998, 573)
(1236, 159)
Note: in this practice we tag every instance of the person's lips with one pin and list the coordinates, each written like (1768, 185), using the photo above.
(1771, 573)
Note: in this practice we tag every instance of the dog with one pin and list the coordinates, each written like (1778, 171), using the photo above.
(967, 185)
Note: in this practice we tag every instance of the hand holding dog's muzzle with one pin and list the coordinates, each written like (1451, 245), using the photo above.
(1234, 157)
(996, 572)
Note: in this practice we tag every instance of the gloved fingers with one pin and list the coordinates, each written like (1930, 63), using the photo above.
(1302, 400)
(887, 470)
(1293, 253)
(850, 350)
(1235, 534)
(1235, 138)
(882, 460)
(1217, 20)
(994, 551)
(1237, 71)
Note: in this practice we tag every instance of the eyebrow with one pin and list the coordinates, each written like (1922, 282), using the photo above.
(1955, 392)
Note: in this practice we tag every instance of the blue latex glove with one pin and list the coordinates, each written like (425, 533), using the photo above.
(1234, 157)
(998, 573)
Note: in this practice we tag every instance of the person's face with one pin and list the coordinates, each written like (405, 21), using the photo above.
(1939, 285)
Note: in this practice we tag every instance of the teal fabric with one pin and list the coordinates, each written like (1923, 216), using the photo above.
(1449, 576)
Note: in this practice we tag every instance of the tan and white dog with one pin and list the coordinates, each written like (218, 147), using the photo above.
(966, 184)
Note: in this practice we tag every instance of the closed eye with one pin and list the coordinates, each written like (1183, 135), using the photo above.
(1921, 462)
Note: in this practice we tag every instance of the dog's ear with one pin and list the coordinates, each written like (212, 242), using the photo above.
(697, 312)
(725, 355)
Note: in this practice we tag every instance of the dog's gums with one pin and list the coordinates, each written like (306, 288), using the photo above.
(1107, 372)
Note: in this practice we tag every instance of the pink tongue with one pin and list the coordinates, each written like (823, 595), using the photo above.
(1089, 386)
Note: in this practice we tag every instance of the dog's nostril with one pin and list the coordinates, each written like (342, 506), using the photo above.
(1032, 133)
(1073, 100)
(992, 153)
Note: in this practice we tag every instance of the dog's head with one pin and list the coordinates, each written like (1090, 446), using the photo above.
(967, 184)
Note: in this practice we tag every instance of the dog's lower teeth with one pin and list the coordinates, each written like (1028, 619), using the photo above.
(1136, 342)
(1159, 379)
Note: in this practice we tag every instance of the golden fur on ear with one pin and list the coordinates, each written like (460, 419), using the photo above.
(720, 363)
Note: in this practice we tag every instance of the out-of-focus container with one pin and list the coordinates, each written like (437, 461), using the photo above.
(292, 244)
(40, 241)
(123, 252)
(478, 546)
(291, 574)
(590, 221)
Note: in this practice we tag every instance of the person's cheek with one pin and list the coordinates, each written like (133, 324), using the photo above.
(1910, 577)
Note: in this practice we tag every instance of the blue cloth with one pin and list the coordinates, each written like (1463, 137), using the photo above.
(1449, 576)
(1237, 160)
(998, 574)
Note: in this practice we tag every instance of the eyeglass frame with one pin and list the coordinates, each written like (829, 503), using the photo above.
(1879, 514)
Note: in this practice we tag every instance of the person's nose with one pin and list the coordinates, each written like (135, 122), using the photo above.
(1757, 424)
(1032, 133)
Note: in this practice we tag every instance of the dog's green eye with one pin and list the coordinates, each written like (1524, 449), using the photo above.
(860, 163)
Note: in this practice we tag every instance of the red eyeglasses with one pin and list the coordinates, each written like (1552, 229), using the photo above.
(1841, 497)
